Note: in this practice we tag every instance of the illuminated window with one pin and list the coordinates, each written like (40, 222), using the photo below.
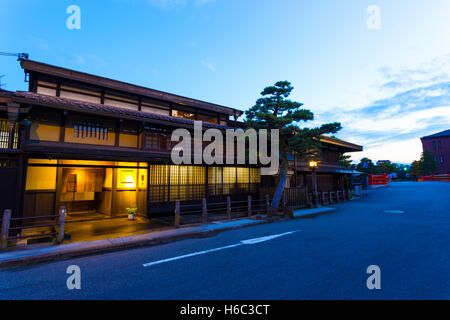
(41, 178)
(229, 175)
(255, 176)
(170, 183)
(207, 118)
(242, 175)
(215, 175)
(183, 114)
(127, 178)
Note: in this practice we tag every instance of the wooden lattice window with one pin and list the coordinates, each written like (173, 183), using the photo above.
(155, 141)
(4, 135)
(90, 130)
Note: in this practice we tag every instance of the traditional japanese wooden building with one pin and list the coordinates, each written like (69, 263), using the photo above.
(98, 146)
(331, 175)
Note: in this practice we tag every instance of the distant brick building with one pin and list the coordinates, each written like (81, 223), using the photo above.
(439, 145)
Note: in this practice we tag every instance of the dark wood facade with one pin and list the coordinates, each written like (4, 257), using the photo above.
(99, 146)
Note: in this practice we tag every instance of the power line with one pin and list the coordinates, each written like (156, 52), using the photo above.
(19, 56)
(2, 84)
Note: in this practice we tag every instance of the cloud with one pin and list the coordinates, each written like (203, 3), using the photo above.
(208, 65)
(417, 104)
(41, 43)
(83, 59)
(425, 74)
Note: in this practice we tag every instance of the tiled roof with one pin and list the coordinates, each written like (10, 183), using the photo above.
(102, 109)
(82, 106)
(445, 133)
(29, 65)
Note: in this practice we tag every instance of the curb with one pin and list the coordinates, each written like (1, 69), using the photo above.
(111, 245)
(325, 210)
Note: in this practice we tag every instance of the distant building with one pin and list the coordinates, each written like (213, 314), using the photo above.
(383, 161)
(439, 145)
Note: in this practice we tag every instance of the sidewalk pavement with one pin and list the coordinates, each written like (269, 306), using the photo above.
(46, 252)
(309, 213)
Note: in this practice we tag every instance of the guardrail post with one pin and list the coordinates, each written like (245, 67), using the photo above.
(229, 207)
(177, 214)
(62, 222)
(204, 211)
(249, 200)
(267, 205)
(5, 228)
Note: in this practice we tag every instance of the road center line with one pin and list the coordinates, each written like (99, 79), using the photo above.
(243, 242)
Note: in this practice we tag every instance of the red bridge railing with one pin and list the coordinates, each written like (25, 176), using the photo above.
(436, 177)
(377, 179)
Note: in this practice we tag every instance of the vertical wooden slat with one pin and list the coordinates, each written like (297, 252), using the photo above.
(62, 221)
(177, 213)
(204, 211)
(5, 228)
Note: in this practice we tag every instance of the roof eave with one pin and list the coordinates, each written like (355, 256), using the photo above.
(349, 147)
(30, 65)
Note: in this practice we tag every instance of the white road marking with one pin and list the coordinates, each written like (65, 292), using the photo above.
(190, 255)
(267, 238)
(243, 242)
(394, 211)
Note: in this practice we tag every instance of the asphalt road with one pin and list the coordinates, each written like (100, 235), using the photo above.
(325, 258)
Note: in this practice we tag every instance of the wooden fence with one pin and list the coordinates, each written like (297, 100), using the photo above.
(10, 226)
(296, 197)
(209, 211)
(330, 197)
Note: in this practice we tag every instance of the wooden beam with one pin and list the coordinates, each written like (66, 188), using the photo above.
(114, 192)
(13, 116)
(117, 133)
(58, 87)
(62, 127)
(102, 96)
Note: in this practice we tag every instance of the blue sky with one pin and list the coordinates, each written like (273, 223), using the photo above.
(388, 86)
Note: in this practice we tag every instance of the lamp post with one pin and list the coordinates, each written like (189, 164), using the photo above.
(313, 166)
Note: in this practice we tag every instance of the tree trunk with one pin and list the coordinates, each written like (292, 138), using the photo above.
(279, 192)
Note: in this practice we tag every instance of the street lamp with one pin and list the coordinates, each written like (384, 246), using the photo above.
(313, 166)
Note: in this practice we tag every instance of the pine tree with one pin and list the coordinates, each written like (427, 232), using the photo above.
(275, 111)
